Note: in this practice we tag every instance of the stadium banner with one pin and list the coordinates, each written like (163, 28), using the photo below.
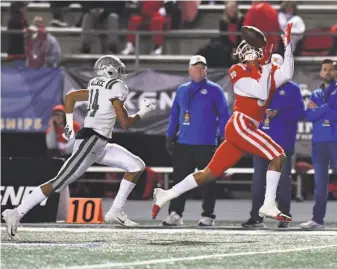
(161, 87)
(28, 97)
(19, 177)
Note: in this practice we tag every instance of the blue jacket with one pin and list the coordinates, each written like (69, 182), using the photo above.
(207, 107)
(326, 100)
(283, 127)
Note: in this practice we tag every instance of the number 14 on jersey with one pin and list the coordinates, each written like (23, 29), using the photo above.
(93, 103)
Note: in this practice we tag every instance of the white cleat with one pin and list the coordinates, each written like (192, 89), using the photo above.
(119, 218)
(173, 220)
(269, 210)
(312, 225)
(160, 198)
(12, 219)
(129, 49)
(206, 221)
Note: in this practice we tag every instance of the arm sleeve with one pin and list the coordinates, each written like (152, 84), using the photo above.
(247, 86)
(286, 71)
(117, 90)
(174, 118)
(222, 111)
(292, 108)
(314, 114)
(54, 52)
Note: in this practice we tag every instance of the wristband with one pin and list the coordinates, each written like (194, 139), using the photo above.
(69, 119)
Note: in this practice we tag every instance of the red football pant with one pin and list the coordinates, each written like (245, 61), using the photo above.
(156, 23)
(242, 135)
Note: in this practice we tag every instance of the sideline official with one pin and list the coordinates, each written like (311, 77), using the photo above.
(280, 123)
(198, 117)
(322, 111)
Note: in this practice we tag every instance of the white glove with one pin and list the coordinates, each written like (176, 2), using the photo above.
(145, 108)
(162, 11)
(68, 132)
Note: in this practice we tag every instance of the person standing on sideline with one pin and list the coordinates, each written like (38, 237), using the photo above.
(322, 111)
(280, 123)
(198, 116)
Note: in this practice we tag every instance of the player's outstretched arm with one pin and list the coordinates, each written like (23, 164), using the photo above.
(286, 71)
(122, 114)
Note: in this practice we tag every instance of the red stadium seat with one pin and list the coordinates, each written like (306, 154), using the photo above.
(317, 45)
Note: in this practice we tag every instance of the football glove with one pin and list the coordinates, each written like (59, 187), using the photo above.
(68, 132)
(286, 37)
(145, 108)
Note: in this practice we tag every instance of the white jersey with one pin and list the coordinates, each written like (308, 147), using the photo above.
(101, 116)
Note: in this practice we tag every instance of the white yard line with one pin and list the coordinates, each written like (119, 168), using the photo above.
(193, 258)
(170, 231)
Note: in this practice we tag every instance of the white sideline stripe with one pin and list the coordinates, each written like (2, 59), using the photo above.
(42, 244)
(193, 258)
(259, 137)
(246, 137)
(171, 231)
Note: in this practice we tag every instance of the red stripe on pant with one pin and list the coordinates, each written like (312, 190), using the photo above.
(254, 140)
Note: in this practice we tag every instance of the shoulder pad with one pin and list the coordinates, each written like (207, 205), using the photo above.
(236, 72)
(112, 82)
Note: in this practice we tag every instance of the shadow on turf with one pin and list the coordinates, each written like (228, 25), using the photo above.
(194, 243)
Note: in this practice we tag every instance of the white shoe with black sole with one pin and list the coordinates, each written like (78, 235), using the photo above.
(119, 218)
(12, 219)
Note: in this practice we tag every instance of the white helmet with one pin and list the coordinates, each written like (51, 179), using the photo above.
(110, 66)
(246, 52)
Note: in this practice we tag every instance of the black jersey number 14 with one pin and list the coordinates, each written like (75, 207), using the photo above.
(93, 103)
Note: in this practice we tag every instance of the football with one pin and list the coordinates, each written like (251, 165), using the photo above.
(253, 36)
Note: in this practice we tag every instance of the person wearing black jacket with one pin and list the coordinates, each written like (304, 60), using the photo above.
(219, 52)
(101, 15)
(230, 23)
(17, 21)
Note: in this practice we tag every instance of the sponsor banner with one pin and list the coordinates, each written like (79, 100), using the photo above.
(27, 98)
(20, 176)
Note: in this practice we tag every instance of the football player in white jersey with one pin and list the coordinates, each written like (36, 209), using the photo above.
(106, 94)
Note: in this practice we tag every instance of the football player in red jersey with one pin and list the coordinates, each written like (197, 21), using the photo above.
(254, 80)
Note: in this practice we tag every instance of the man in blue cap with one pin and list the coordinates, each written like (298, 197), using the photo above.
(322, 111)
(280, 123)
(197, 122)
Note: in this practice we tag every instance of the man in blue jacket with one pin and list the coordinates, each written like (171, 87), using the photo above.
(280, 123)
(198, 117)
(322, 111)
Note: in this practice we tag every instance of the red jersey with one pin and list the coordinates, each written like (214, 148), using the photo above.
(251, 107)
(254, 87)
